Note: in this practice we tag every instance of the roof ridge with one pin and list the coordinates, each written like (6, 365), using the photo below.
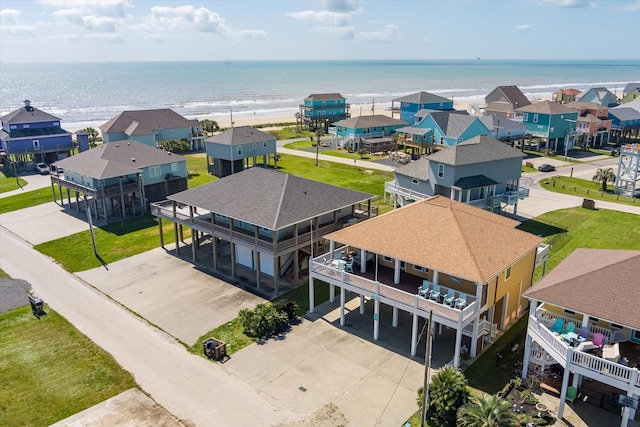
(466, 242)
(284, 191)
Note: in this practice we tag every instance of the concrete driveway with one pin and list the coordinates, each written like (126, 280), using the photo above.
(171, 293)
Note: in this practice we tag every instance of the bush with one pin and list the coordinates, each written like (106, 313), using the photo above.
(266, 318)
(290, 308)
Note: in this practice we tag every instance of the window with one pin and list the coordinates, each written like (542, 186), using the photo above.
(569, 311)
(507, 274)
(420, 268)
(221, 216)
(403, 264)
(414, 181)
(440, 170)
(36, 144)
(387, 259)
(455, 278)
(154, 171)
(264, 144)
(525, 117)
(239, 150)
(441, 140)
(174, 167)
(535, 118)
(255, 145)
(339, 211)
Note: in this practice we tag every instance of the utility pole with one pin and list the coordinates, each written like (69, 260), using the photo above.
(318, 133)
(427, 368)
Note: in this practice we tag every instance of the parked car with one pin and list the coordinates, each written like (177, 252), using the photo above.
(42, 168)
(56, 169)
(546, 168)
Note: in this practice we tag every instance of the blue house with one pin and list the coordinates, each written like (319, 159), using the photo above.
(503, 128)
(320, 110)
(625, 121)
(238, 148)
(118, 179)
(31, 135)
(352, 132)
(409, 105)
(599, 95)
(152, 127)
(443, 128)
(481, 171)
(551, 121)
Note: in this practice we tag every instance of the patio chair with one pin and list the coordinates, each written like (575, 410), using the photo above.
(557, 327)
(450, 298)
(571, 394)
(423, 290)
(583, 332)
(348, 267)
(435, 293)
(570, 328)
(598, 340)
(461, 302)
(336, 255)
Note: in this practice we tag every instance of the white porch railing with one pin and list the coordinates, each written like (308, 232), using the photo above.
(542, 254)
(393, 188)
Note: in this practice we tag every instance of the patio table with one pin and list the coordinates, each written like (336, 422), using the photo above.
(339, 263)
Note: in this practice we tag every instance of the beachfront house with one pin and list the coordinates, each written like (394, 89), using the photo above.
(446, 128)
(30, 135)
(628, 177)
(505, 101)
(504, 129)
(407, 106)
(481, 172)
(117, 180)
(260, 223)
(564, 96)
(552, 122)
(465, 265)
(153, 127)
(590, 338)
(319, 110)
(594, 125)
(239, 148)
(357, 132)
(599, 95)
(631, 91)
(625, 122)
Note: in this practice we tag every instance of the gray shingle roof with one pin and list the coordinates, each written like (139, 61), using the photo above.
(479, 149)
(28, 115)
(418, 169)
(146, 122)
(603, 283)
(240, 135)
(269, 199)
(635, 104)
(362, 122)
(452, 124)
(625, 114)
(475, 181)
(423, 112)
(630, 87)
(501, 122)
(324, 96)
(422, 98)
(116, 159)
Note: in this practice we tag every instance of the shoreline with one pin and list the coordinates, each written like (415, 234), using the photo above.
(253, 119)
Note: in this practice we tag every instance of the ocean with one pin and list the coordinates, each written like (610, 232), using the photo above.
(92, 93)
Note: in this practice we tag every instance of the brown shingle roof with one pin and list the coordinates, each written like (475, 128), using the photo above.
(547, 107)
(603, 283)
(444, 235)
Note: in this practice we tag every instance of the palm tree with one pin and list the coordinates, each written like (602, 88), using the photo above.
(604, 176)
(92, 134)
(486, 411)
(448, 391)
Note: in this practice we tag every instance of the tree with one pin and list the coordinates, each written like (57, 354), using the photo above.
(362, 152)
(486, 411)
(93, 134)
(209, 125)
(448, 391)
(604, 176)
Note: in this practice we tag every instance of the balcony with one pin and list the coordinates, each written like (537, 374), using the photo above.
(408, 194)
(542, 253)
(403, 295)
(581, 362)
(109, 191)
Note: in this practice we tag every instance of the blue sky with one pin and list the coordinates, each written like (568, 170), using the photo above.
(183, 30)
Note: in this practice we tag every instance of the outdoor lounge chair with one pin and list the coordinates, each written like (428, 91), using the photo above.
(461, 302)
(450, 298)
(435, 293)
(423, 290)
(598, 340)
(348, 267)
(583, 332)
(557, 327)
(571, 394)
(570, 328)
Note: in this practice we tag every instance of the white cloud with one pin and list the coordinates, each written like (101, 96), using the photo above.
(104, 8)
(10, 16)
(93, 23)
(323, 16)
(342, 5)
(19, 30)
(202, 19)
(522, 27)
(342, 32)
(567, 3)
(73, 37)
(250, 34)
(633, 6)
(111, 37)
(388, 35)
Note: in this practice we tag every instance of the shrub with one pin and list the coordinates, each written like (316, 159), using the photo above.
(263, 320)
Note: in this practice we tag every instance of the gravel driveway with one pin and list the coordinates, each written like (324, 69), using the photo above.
(13, 294)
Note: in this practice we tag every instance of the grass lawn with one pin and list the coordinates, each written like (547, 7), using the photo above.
(3, 274)
(29, 199)
(50, 371)
(197, 167)
(10, 183)
(231, 332)
(114, 241)
(587, 189)
(290, 133)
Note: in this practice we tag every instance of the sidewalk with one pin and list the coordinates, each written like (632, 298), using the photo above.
(34, 182)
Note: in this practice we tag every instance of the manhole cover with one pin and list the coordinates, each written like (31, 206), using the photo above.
(302, 388)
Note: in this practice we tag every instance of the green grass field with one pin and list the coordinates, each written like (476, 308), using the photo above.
(50, 371)
(587, 189)
(9, 183)
(29, 199)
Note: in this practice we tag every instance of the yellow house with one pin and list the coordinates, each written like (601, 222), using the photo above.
(466, 265)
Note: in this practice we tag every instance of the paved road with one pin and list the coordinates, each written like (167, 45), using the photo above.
(34, 181)
(188, 386)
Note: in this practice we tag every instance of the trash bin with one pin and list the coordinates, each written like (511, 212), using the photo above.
(214, 348)
(37, 306)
